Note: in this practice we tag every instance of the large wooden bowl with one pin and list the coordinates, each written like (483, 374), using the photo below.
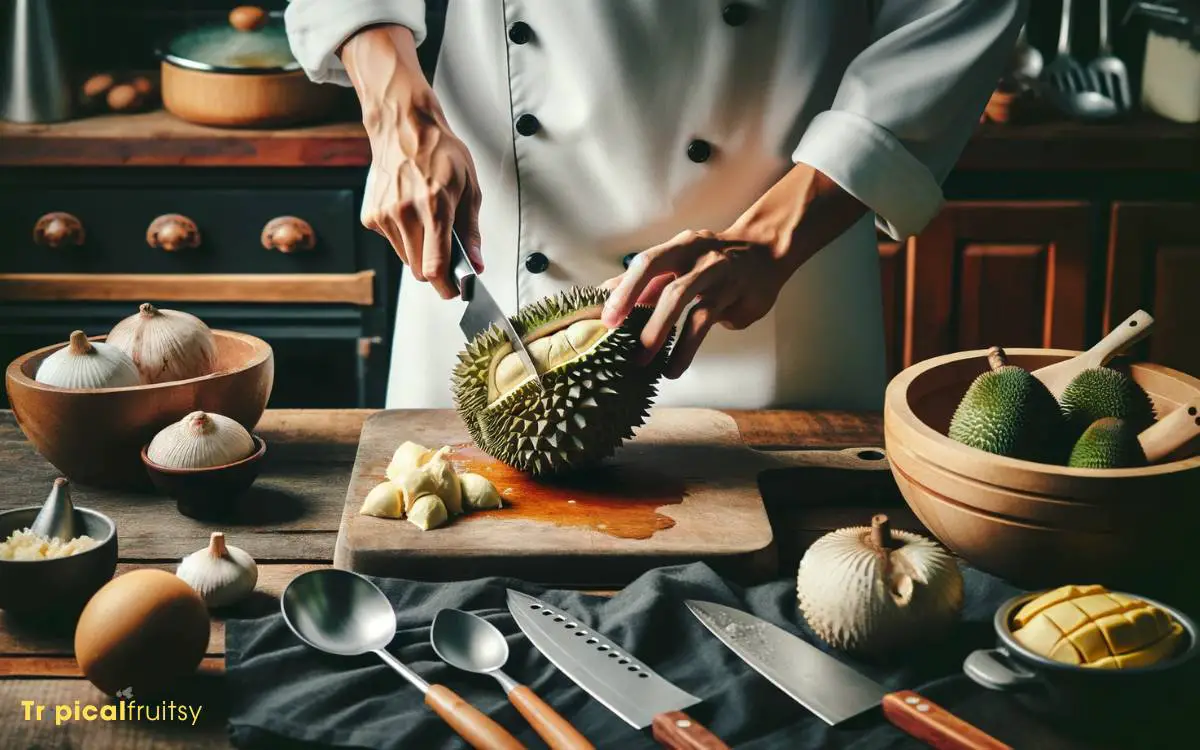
(95, 436)
(1039, 524)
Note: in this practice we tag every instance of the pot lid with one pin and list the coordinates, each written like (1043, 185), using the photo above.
(251, 42)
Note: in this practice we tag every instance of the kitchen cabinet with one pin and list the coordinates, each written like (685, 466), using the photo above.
(893, 275)
(1154, 264)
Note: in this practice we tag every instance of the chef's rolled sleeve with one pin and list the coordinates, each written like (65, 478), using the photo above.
(316, 29)
(908, 103)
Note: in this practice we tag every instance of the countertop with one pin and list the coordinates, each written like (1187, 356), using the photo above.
(312, 452)
(159, 139)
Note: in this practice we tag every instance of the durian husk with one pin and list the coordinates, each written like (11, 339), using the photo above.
(871, 590)
(589, 406)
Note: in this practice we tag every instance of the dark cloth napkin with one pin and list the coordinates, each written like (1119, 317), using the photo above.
(284, 694)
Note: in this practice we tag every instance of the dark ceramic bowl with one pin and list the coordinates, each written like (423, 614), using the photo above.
(56, 590)
(1071, 693)
(209, 494)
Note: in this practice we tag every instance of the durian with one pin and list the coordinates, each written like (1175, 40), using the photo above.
(478, 493)
(427, 512)
(595, 392)
(1109, 443)
(871, 590)
(435, 476)
(1090, 626)
(384, 501)
(1102, 392)
(1009, 412)
(408, 457)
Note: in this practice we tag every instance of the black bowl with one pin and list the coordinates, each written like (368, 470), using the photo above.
(212, 493)
(56, 590)
(1083, 697)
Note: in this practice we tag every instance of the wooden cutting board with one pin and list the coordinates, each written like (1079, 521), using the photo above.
(684, 489)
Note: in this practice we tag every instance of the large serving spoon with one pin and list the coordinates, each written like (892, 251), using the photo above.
(342, 613)
(1058, 376)
(473, 644)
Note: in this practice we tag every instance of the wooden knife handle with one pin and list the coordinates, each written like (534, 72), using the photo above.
(934, 725)
(679, 731)
(548, 723)
(478, 730)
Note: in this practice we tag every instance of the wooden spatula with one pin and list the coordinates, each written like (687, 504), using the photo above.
(1058, 376)
(1170, 433)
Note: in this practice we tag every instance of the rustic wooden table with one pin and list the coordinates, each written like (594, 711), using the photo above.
(312, 452)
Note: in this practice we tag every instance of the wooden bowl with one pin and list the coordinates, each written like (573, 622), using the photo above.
(54, 591)
(211, 493)
(1038, 524)
(93, 436)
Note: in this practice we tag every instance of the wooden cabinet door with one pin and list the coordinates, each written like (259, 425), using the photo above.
(893, 275)
(999, 274)
(1154, 264)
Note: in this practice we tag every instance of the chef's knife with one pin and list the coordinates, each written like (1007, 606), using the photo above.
(830, 689)
(482, 311)
(626, 686)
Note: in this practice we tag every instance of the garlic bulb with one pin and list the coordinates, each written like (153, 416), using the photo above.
(873, 590)
(385, 500)
(477, 492)
(166, 344)
(200, 440)
(88, 364)
(220, 573)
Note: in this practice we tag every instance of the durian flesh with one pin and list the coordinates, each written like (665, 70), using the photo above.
(417, 477)
(595, 393)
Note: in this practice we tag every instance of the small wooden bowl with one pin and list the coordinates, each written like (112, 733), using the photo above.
(1038, 524)
(54, 591)
(93, 435)
(211, 493)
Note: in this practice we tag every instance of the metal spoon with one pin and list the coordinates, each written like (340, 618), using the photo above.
(473, 644)
(1027, 62)
(56, 519)
(342, 613)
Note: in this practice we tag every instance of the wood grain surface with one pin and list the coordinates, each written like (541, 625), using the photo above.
(313, 452)
(350, 288)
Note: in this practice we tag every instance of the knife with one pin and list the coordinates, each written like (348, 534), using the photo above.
(482, 311)
(830, 689)
(625, 686)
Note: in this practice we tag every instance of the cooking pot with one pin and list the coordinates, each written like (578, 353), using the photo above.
(240, 74)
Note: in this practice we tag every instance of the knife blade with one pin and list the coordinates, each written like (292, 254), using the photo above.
(608, 673)
(482, 311)
(830, 689)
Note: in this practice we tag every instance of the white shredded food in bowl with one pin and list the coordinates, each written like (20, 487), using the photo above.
(24, 545)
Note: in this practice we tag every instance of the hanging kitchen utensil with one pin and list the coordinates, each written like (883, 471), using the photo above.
(35, 84)
(1070, 86)
(1112, 79)
(240, 74)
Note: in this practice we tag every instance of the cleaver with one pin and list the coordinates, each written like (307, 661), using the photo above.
(482, 311)
(830, 689)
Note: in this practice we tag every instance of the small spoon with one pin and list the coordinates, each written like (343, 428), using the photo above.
(56, 519)
(342, 613)
(473, 644)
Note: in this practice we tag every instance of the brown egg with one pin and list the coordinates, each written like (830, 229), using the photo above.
(247, 18)
(123, 98)
(144, 630)
(97, 85)
(142, 85)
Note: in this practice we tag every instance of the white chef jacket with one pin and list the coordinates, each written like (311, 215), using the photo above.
(880, 95)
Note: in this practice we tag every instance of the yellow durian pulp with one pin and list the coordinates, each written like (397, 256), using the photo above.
(548, 352)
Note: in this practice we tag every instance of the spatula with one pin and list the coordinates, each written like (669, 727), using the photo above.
(1059, 375)
(1172, 432)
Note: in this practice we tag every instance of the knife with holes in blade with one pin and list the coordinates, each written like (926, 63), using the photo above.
(830, 689)
(625, 686)
(482, 311)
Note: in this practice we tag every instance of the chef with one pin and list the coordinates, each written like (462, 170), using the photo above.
(727, 162)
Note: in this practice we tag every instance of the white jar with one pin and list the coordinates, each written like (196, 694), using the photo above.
(1171, 78)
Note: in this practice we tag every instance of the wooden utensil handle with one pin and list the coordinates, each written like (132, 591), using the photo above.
(1172, 432)
(548, 723)
(934, 725)
(478, 730)
(1130, 331)
(679, 731)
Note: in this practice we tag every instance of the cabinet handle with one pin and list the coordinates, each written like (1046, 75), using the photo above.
(287, 234)
(172, 232)
(58, 229)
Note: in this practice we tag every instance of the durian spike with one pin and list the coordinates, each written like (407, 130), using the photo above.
(1172, 432)
(56, 519)
(997, 358)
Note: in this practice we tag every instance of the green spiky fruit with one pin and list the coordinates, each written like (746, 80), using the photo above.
(1009, 412)
(1108, 443)
(1104, 392)
(595, 393)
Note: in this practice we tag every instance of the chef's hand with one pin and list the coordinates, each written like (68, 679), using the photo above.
(422, 181)
(734, 276)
